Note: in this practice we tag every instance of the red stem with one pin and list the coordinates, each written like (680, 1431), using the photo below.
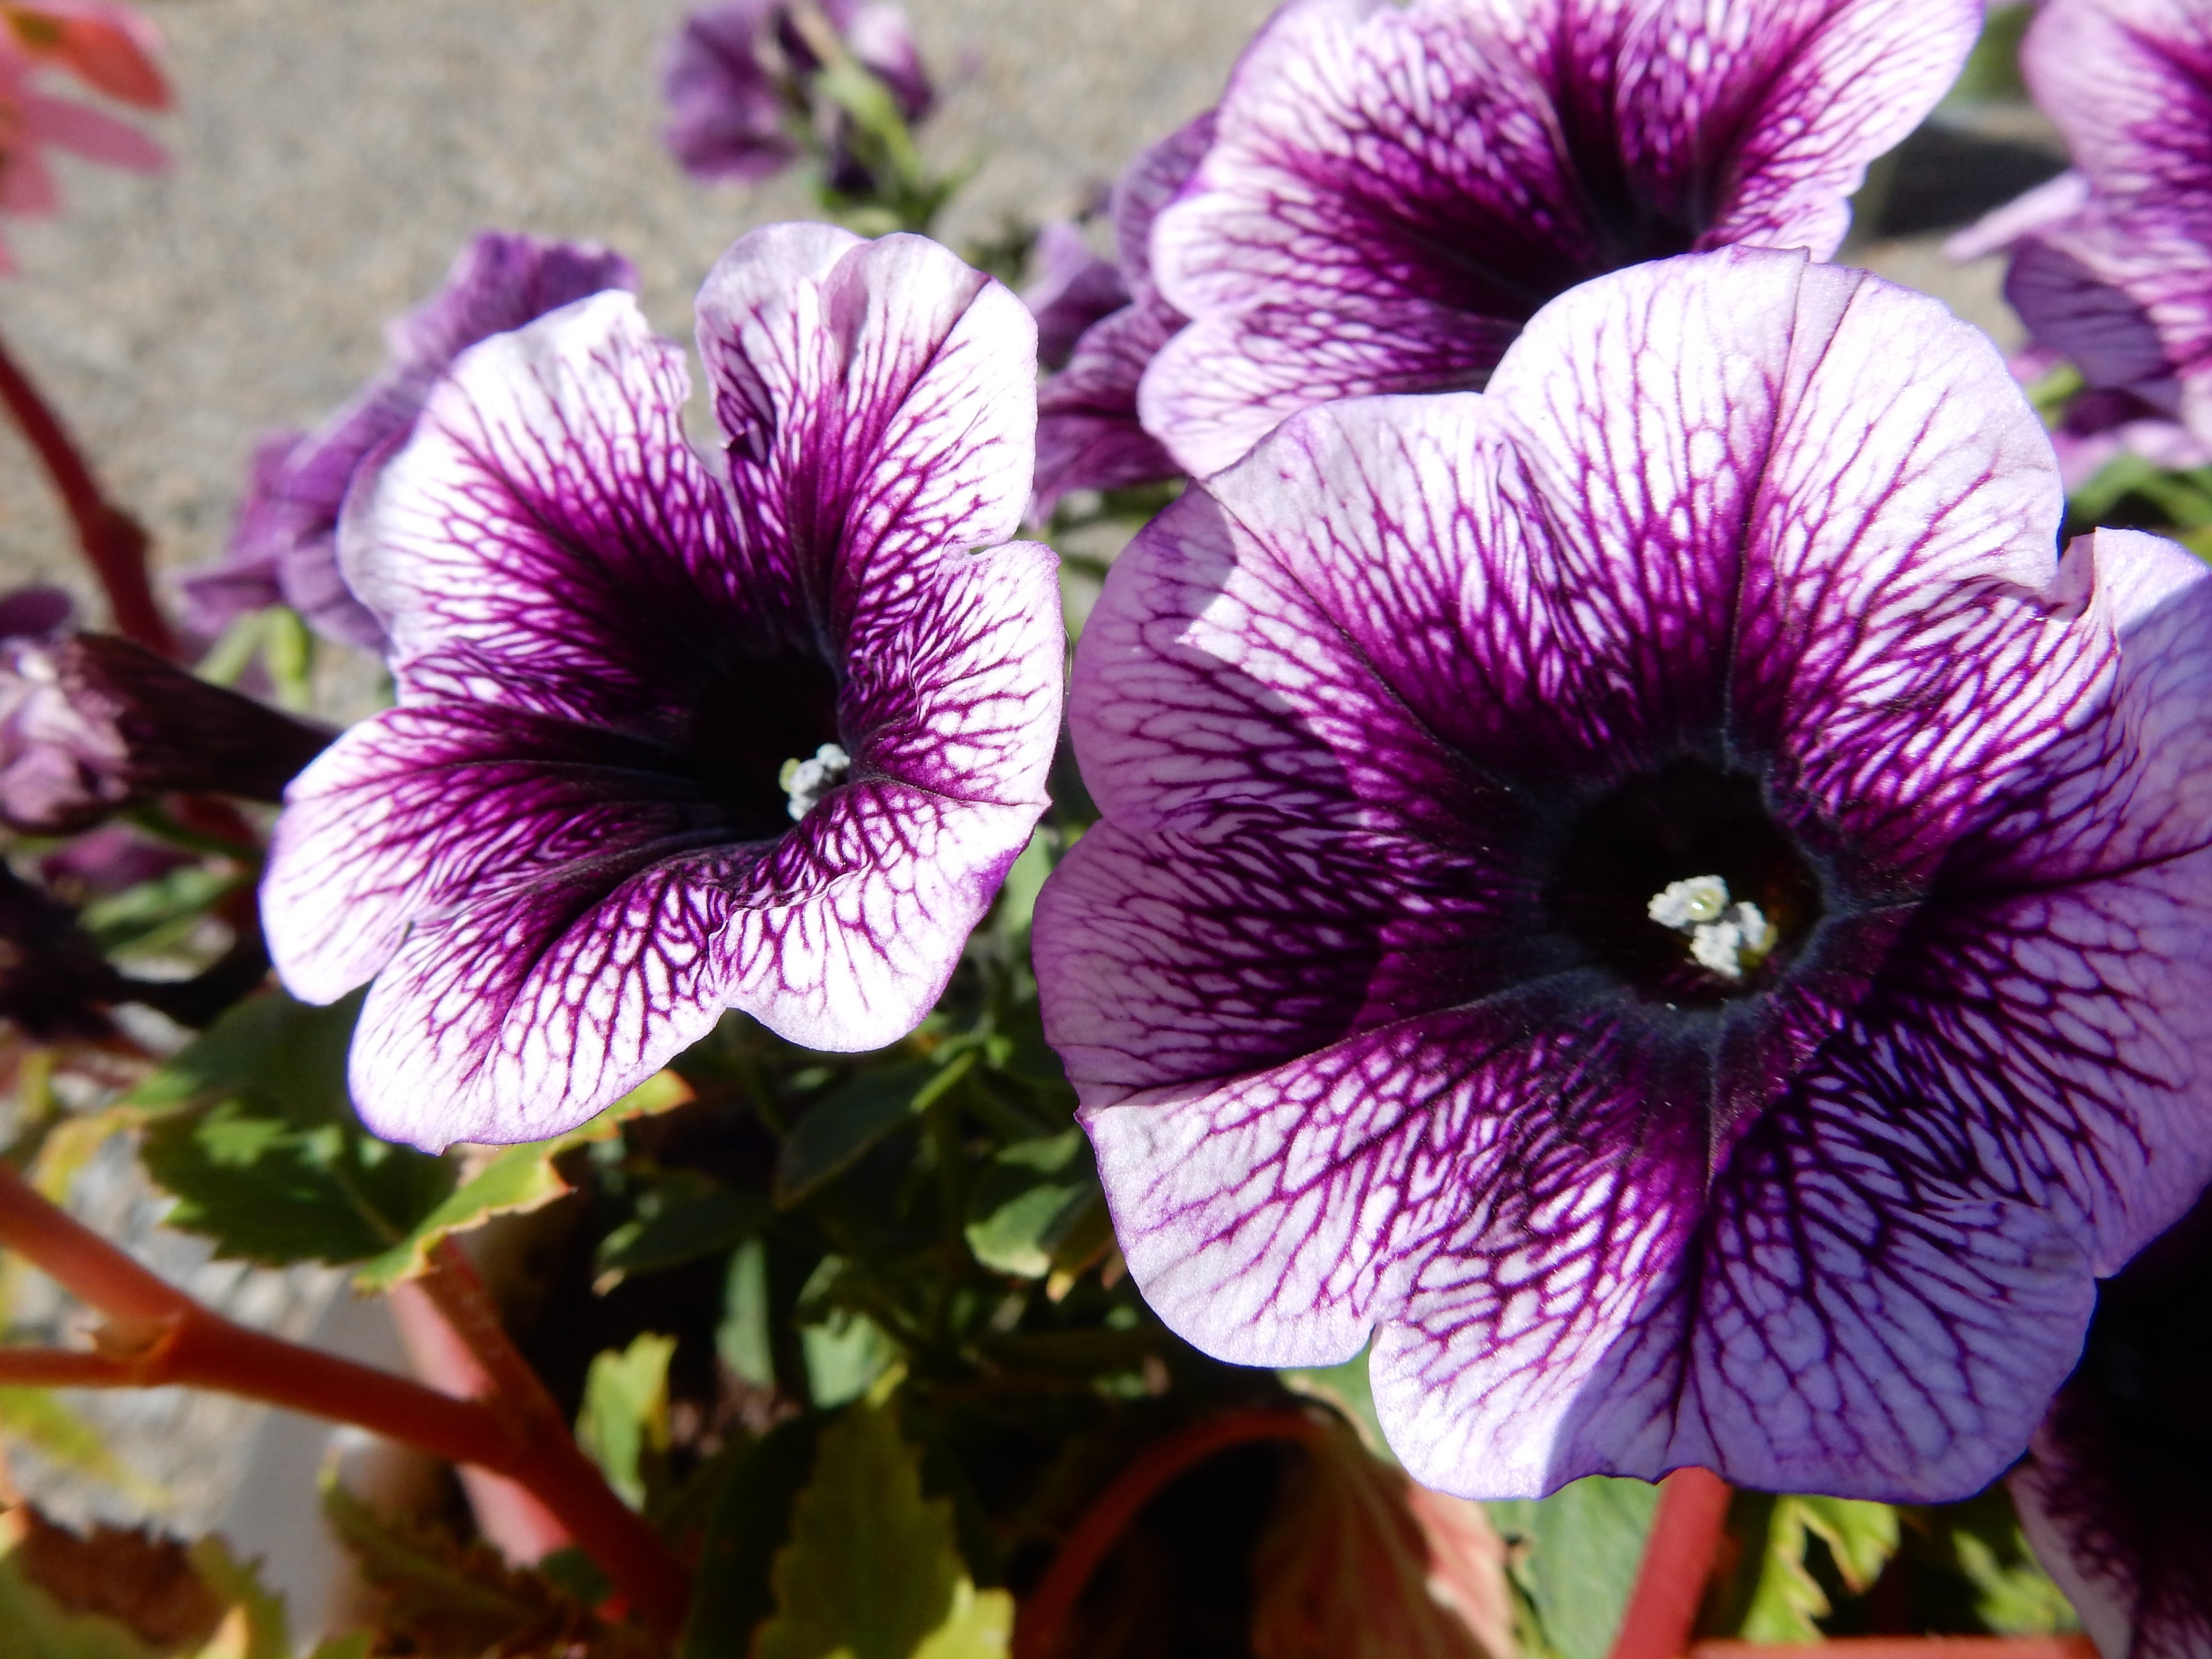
(112, 540)
(1670, 1585)
(1907, 1647)
(1037, 1624)
(160, 1336)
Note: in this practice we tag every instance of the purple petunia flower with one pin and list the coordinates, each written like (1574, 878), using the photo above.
(2112, 263)
(736, 74)
(1652, 891)
(285, 547)
(1074, 287)
(670, 739)
(2112, 1494)
(1088, 434)
(1394, 192)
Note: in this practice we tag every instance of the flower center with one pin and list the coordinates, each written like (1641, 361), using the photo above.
(750, 716)
(805, 782)
(1681, 882)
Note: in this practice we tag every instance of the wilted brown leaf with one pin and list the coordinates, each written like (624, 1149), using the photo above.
(146, 1583)
(1347, 1570)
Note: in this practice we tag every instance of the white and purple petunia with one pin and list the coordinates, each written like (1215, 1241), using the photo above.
(1394, 190)
(2111, 1494)
(673, 736)
(2111, 263)
(1653, 892)
(1089, 436)
(284, 550)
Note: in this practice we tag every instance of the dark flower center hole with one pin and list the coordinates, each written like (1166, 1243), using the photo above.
(750, 716)
(1681, 882)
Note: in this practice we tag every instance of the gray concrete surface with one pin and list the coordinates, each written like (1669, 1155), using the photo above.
(331, 154)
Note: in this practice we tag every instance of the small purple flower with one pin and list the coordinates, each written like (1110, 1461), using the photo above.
(1088, 434)
(2112, 263)
(1074, 287)
(672, 738)
(285, 544)
(736, 79)
(1396, 191)
(2112, 1494)
(90, 724)
(1652, 892)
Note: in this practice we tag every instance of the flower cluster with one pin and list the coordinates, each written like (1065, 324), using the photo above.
(1624, 868)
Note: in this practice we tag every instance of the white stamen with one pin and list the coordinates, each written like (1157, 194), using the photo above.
(1724, 938)
(1684, 904)
(807, 781)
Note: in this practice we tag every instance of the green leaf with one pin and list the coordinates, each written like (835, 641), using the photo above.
(257, 1141)
(1861, 1536)
(751, 1521)
(1775, 1594)
(155, 915)
(517, 1179)
(743, 1338)
(838, 1129)
(256, 1615)
(845, 1353)
(681, 1228)
(1024, 880)
(623, 1425)
(1035, 1202)
(353, 1644)
(871, 1571)
(1580, 1550)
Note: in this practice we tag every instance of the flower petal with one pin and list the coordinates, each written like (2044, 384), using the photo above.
(1392, 192)
(2129, 84)
(878, 397)
(415, 809)
(1088, 434)
(548, 522)
(539, 1002)
(1813, 90)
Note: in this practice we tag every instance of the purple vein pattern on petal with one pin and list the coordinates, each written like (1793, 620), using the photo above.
(1405, 726)
(570, 847)
(1393, 192)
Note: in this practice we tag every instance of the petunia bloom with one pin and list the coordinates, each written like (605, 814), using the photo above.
(737, 78)
(2111, 1495)
(673, 739)
(110, 48)
(1394, 191)
(1652, 891)
(1089, 436)
(2111, 263)
(285, 547)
